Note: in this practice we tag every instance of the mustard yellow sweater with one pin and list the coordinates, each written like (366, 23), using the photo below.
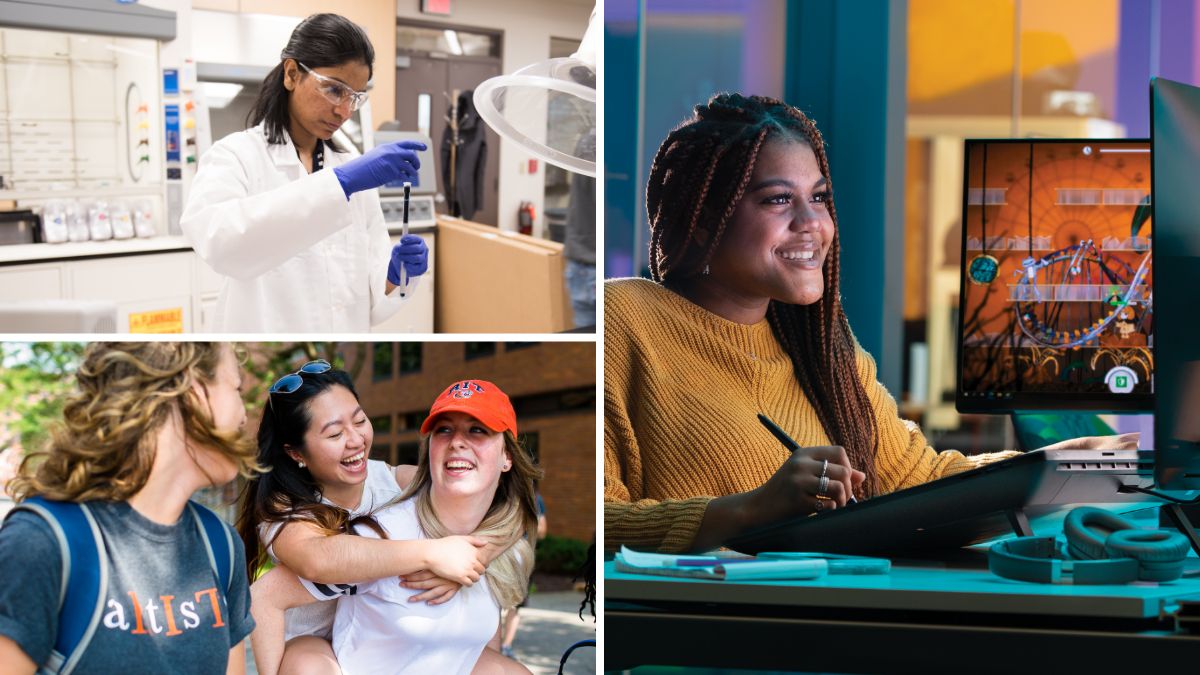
(682, 387)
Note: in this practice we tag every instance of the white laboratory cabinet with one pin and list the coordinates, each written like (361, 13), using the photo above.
(159, 285)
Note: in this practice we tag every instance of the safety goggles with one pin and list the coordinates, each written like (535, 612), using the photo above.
(290, 383)
(335, 92)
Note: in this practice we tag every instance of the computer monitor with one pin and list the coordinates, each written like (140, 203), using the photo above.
(1175, 136)
(1055, 308)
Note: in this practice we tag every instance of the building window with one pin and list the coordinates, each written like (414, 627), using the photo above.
(529, 441)
(413, 420)
(383, 358)
(408, 453)
(478, 350)
(382, 452)
(513, 346)
(382, 424)
(410, 357)
(552, 403)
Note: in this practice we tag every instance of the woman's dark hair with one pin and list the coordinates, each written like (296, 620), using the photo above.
(696, 181)
(319, 41)
(286, 491)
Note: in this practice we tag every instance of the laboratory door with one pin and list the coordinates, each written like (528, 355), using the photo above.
(423, 91)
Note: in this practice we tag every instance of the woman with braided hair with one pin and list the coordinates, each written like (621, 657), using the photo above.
(744, 316)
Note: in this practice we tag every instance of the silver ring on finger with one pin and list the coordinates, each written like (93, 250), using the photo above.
(822, 486)
(824, 469)
(819, 505)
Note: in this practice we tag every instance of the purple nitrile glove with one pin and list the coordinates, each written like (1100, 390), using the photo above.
(412, 254)
(383, 164)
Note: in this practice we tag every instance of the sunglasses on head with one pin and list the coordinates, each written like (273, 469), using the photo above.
(290, 383)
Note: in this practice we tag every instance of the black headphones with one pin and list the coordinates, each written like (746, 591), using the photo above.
(1102, 548)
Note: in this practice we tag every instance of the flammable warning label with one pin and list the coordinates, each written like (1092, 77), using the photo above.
(157, 321)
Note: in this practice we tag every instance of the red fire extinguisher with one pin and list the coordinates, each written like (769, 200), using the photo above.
(526, 214)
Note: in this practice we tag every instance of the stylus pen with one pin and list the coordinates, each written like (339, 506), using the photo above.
(787, 441)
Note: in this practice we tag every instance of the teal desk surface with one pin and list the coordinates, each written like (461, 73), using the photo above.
(914, 588)
(949, 616)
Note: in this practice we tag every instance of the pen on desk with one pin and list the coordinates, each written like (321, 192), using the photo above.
(787, 441)
(710, 562)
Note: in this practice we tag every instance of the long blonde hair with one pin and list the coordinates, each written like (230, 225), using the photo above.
(511, 520)
(105, 446)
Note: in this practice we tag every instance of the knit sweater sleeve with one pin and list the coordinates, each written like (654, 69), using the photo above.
(904, 458)
(630, 519)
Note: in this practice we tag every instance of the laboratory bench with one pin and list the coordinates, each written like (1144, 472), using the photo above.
(158, 284)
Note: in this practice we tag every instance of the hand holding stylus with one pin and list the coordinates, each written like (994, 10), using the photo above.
(820, 477)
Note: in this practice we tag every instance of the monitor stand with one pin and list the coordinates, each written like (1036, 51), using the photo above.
(1020, 523)
(1175, 514)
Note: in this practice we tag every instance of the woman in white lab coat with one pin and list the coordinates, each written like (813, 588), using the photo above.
(292, 221)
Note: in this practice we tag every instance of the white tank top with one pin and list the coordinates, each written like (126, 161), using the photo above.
(317, 618)
(378, 630)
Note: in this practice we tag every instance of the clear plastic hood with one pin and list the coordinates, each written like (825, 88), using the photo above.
(549, 108)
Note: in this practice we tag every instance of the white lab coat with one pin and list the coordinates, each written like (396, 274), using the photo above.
(297, 257)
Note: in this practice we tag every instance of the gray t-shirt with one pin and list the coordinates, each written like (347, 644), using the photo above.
(164, 611)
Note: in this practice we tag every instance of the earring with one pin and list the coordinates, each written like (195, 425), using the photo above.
(300, 464)
(705, 272)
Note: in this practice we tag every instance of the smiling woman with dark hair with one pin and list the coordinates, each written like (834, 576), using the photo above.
(473, 479)
(291, 219)
(317, 441)
(744, 316)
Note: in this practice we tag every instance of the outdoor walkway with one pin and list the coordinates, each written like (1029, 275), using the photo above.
(549, 624)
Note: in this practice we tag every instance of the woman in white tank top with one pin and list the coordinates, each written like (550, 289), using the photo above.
(473, 478)
(316, 439)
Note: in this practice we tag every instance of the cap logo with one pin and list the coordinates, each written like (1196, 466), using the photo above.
(466, 389)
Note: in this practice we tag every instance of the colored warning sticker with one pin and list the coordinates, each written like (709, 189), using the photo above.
(157, 321)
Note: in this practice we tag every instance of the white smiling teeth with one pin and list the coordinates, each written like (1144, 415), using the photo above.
(458, 465)
(798, 255)
(355, 458)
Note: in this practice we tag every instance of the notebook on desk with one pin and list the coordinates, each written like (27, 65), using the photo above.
(998, 499)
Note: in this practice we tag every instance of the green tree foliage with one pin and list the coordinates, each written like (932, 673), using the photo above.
(34, 381)
(267, 362)
(560, 555)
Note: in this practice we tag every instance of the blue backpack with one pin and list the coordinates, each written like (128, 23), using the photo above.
(85, 571)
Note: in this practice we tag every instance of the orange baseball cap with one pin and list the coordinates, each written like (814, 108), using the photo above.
(478, 398)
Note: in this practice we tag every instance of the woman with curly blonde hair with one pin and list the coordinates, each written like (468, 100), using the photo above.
(473, 478)
(149, 424)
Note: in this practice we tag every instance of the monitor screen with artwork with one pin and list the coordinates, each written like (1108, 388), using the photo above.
(1056, 307)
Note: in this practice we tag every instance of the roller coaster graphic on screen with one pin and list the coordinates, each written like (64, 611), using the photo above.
(1057, 270)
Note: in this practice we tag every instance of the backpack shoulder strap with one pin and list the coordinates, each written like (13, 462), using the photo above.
(84, 578)
(218, 540)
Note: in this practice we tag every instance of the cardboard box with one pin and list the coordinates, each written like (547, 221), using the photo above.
(493, 281)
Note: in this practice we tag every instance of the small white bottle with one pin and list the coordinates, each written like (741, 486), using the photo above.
(99, 225)
(77, 222)
(143, 219)
(54, 222)
(122, 221)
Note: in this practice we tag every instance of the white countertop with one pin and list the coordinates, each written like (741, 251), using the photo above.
(23, 253)
(32, 253)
